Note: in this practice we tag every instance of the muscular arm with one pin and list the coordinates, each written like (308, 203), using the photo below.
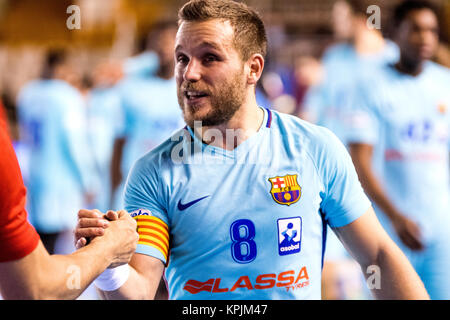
(27, 271)
(362, 159)
(142, 284)
(369, 245)
(407, 229)
(42, 276)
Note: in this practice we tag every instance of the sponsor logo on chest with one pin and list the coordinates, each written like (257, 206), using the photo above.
(289, 235)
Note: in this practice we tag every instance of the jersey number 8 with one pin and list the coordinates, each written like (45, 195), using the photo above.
(243, 248)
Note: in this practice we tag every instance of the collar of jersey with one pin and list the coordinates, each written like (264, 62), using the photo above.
(244, 147)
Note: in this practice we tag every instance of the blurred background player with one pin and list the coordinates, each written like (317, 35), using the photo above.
(150, 109)
(217, 70)
(144, 63)
(359, 50)
(298, 31)
(401, 120)
(105, 122)
(27, 271)
(53, 127)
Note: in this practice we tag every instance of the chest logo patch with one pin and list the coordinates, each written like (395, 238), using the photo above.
(289, 235)
(285, 190)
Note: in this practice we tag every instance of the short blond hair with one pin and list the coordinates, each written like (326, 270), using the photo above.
(249, 31)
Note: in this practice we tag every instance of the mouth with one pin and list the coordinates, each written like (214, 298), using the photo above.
(195, 96)
(426, 50)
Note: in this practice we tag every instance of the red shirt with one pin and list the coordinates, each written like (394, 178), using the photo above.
(17, 237)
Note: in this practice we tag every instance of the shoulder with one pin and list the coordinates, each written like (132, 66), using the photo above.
(310, 137)
(62, 91)
(63, 86)
(125, 85)
(438, 72)
(104, 95)
(323, 148)
(391, 52)
(163, 156)
(130, 82)
(30, 86)
(67, 99)
(337, 51)
(371, 86)
(28, 91)
(290, 124)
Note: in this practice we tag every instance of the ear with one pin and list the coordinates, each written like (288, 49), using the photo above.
(255, 66)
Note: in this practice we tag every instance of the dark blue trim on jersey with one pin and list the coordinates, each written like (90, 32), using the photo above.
(324, 234)
(269, 118)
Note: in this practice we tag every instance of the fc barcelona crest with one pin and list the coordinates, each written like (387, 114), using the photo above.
(285, 190)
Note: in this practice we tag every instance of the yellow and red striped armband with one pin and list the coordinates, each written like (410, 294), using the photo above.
(153, 232)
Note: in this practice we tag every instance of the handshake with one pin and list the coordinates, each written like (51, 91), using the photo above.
(115, 230)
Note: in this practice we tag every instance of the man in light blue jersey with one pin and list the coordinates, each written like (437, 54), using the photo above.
(343, 64)
(401, 120)
(105, 121)
(363, 52)
(53, 124)
(236, 203)
(144, 64)
(150, 110)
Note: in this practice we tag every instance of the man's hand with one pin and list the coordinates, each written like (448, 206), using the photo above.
(91, 224)
(116, 229)
(408, 231)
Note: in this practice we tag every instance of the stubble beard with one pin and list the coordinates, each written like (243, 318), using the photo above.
(225, 102)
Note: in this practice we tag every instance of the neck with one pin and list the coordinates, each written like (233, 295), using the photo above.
(245, 123)
(368, 41)
(409, 66)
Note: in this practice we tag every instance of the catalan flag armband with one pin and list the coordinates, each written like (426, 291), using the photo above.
(153, 232)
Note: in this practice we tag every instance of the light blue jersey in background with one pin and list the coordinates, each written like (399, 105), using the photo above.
(407, 120)
(141, 65)
(343, 66)
(151, 114)
(53, 127)
(326, 103)
(104, 125)
(248, 223)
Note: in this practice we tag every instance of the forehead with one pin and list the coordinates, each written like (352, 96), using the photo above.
(215, 33)
(422, 17)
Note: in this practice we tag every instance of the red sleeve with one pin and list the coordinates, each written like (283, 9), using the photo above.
(17, 237)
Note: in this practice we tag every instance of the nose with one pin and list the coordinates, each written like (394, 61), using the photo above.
(193, 71)
(428, 37)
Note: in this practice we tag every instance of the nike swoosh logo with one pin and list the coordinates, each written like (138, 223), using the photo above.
(182, 207)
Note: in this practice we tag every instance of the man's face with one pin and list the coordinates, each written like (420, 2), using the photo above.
(211, 83)
(342, 20)
(417, 35)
